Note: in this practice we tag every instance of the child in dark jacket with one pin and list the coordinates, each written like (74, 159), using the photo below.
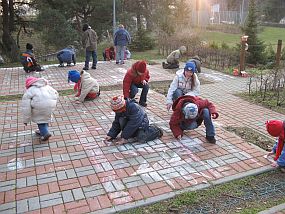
(66, 55)
(28, 60)
(276, 128)
(132, 121)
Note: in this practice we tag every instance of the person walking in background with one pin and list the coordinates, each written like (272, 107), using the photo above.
(132, 121)
(137, 77)
(121, 40)
(189, 112)
(89, 41)
(172, 61)
(38, 103)
(276, 128)
(86, 86)
(29, 61)
(66, 55)
(109, 54)
(185, 82)
(198, 61)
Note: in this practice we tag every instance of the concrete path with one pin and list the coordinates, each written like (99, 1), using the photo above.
(78, 172)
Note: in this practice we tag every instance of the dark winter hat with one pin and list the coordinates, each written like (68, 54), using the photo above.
(190, 66)
(29, 46)
(73, 76)
(85, 27)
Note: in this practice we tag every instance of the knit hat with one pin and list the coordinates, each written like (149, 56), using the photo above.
(140, 66)
(190, 110)
(190, 66)
(29, 46)
(30, 81)
(117, 103)
(73, 76)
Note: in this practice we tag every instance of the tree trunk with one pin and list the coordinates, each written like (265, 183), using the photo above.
(9, 45)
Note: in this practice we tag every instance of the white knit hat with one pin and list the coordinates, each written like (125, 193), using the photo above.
(190, 111)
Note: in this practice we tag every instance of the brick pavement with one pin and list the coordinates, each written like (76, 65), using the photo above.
(78, 172)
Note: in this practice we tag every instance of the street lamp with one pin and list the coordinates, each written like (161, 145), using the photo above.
(114, 16)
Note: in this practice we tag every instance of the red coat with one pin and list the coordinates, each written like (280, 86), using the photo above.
(130, 78)
(177, 116)
(110, 54)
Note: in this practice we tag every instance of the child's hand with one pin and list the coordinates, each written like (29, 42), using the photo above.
(121, 141)
(179, 137)
(274, 164)
(270, 154)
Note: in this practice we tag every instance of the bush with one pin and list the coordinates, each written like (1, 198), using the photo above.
(142, 41)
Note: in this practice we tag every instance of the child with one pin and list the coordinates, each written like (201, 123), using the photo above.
(66, 55)
(38, 103)
(109, 54)
(127, 54)
(86, 86)
(276, 128)
(28, 60)
(132, 121)
(173, 58)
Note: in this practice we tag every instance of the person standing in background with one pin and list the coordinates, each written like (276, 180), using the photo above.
(121, 40)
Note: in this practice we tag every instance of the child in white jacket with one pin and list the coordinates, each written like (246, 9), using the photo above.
(38, 103)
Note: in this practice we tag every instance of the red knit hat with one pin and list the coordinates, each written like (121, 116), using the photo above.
(274, 127)
(140, 66)
(118, 103)
(30, 81)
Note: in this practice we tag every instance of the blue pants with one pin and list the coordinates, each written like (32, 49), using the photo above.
(88, 55)
(177, 93)
(43, 127)
(134, 91)
(120, 53)
(210, 129)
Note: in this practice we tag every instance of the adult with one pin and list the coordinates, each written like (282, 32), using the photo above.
(29, 61)
(185, 82)
(198, 61)
(132, 121)
(189, 112)
(89, 41)
(137, 77)
(66, 55)
(172, 61)
(121, 40)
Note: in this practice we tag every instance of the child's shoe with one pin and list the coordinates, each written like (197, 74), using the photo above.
(37, 132)
(211, 139)
(46, 137)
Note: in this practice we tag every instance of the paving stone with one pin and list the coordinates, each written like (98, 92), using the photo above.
(34, 203)
(78, 194)
(23, 205)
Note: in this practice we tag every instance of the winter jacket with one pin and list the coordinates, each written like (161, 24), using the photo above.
(173, 57)
(89, 40)
(132, 78)
(177, 116)
(38, 102)
(66, 55)
(28, 59)
(122, 37)
(110, 54)
(129, 121)
(181, 82)
(87, 87)
(197, 63)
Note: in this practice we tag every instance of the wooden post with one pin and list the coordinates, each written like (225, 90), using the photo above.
(278, 52)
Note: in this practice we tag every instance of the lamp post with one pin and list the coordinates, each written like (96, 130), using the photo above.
(114, 16)
(242, 53)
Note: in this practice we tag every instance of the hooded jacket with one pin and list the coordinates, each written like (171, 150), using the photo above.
(197, 63)
(38, 102)
(87, 86)
(89, 39)
(177, 116)
(129, 121)
(184, 84)
(131, 77)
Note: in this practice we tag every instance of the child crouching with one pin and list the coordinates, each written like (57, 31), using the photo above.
(86, 86)
(38, 103)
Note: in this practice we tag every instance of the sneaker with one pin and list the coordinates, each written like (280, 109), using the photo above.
(122, 63)
(163, 64)
(61, 65)
(46, 137)
(86, 69)
(93, 67)
(37, 132)
(211, 139)
(143, 104)
(68, 65)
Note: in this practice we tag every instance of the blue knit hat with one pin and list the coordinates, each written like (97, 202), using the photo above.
(73, 76)
(190, 66)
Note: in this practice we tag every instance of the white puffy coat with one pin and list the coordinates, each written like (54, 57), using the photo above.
(38, 102)
(181, 82)
(87, 85)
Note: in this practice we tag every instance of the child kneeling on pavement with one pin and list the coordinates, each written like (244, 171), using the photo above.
(189, 112)
(132, 121)
(276, 128)
(86, 86)
(38, 103)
